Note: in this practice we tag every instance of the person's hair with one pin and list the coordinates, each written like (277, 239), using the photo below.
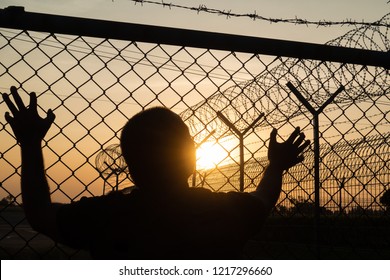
(157, 147)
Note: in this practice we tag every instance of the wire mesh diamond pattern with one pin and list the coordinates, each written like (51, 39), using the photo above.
(94, 85)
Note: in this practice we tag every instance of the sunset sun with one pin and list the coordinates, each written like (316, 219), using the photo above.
(209, 155)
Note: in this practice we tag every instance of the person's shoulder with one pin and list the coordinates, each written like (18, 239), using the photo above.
(239, 203)
(244, 197)
(210, 193)
(200, 190)
(207, 194)
(231, 197)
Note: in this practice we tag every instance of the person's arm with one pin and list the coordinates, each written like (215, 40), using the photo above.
(281, 157)
(29, 129)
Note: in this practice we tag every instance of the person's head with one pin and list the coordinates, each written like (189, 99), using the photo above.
(158, 148)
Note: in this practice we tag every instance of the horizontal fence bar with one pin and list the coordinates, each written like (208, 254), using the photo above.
(17, 18)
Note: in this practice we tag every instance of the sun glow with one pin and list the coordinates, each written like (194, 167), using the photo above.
(209, 155)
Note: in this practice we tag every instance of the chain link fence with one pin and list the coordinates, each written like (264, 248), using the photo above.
(95, 77)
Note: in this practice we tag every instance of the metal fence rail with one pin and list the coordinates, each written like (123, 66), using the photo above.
(231, 91)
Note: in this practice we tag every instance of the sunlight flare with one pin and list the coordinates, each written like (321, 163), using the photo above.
(209, 155)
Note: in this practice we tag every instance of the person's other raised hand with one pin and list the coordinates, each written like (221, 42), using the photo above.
(289, 153)
(25, 122)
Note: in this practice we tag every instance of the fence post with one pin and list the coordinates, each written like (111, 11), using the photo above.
(341, 188)
(316, 140)
(240, 136)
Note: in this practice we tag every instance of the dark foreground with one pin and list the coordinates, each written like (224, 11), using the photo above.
(339, 237)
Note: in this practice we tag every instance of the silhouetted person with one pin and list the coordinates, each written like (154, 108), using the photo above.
(162, 218)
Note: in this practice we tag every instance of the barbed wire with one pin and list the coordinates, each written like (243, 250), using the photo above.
(244, 101)
(254, 16)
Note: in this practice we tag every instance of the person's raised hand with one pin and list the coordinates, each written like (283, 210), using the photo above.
(289, 153)
(25, 122)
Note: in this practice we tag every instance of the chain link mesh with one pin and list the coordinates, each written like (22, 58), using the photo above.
(94, 85)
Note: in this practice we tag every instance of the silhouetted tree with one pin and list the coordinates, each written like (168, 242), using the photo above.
(385, 199)
(306, 207)
(7, 201)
